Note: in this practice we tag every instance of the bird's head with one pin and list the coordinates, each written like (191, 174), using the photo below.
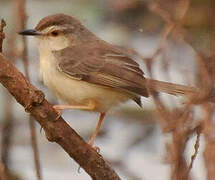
(58, 32)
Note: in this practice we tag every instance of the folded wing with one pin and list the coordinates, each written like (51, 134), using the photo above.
(103, 66)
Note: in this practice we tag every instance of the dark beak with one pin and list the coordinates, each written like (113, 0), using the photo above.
(29, 32)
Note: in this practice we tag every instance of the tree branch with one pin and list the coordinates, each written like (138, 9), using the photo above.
(56, 129)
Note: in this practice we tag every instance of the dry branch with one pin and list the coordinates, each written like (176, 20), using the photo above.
(56, 129)
(3, 174)
(2, 36)
(179, 122)
(3, 162)
(208, 131)
(196, 147)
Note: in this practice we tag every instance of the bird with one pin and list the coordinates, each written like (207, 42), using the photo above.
(87, 73)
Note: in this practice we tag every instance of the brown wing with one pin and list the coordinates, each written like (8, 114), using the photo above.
(102, 66)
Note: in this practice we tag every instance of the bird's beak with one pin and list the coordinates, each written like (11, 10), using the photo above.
(29, 32)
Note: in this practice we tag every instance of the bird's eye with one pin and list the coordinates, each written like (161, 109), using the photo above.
(54, 33)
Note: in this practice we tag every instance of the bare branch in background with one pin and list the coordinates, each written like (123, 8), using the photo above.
(2, 35)
(3, 174)
(8, 121)
(209, 130)
(22, 19)
(3, 168)
(56, 129)
(179, 121)
(196, 147)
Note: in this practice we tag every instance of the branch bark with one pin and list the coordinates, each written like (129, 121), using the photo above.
(56, 129)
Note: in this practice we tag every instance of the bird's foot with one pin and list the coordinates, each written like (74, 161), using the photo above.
(59, 111)
(96, 148)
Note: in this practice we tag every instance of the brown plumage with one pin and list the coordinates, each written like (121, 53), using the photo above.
(88, 73)
(102, 66)
(56, 20)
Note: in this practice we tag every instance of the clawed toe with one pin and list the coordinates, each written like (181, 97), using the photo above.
(59, 111)
(96, 148)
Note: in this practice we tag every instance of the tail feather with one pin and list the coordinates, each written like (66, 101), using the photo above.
(170, 88)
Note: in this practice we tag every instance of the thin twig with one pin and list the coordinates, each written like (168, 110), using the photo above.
(208, 131)
(173, 121)
(3, 174)
(7, 130)
(3, 168)
(2, 35)
(23, 19)
(196, 148)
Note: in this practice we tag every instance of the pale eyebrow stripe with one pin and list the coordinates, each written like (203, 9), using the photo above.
(64, 30)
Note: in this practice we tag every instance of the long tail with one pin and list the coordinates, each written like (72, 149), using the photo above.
(170, 88)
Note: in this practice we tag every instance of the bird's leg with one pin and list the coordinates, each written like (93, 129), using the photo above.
(90, 106)
(96, 131)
